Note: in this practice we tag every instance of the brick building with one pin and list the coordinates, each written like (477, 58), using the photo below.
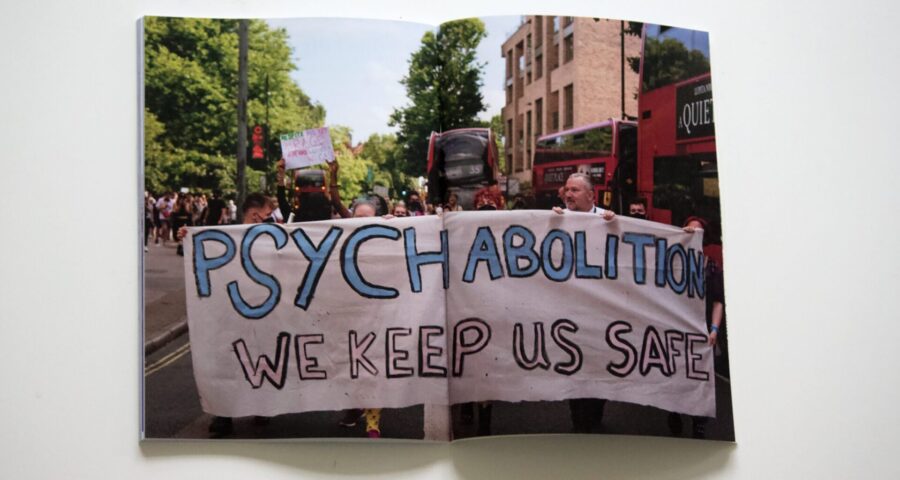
(562, 72)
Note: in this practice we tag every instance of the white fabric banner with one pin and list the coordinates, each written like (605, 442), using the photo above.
(512, 306)
(595, 318)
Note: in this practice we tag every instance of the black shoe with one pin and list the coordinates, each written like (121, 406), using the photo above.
(467, 413)
(484, 419)
(220, 427)
(180, 250)
(352, 417)
(675, 424)
(699, 428)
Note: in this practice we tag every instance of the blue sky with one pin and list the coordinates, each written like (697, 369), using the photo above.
(353, 67)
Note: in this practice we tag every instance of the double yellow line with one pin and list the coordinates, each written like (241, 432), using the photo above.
(167, 360)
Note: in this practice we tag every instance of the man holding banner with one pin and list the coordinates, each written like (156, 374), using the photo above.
(578, 195)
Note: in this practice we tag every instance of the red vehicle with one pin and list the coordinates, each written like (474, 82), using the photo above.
(676, 167)
(460, 161)
(605, 151)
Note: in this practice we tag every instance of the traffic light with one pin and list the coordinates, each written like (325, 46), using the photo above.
(257, 153)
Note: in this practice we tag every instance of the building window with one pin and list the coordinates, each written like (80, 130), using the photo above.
(538, 66)
(538, 117)
(528, 139)
(555, 24)
(569, 98)
(568, 49)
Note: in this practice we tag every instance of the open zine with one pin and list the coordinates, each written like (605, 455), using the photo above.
(516, 307)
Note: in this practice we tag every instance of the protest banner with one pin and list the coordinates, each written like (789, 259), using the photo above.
(471, 306)
(307, 148)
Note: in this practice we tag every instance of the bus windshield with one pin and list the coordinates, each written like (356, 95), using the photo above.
(672, 55)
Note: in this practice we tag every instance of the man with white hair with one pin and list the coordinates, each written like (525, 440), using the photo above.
(587, 413)
(579, 197)
(364, 208)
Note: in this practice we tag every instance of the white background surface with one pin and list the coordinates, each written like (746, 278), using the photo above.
(806, 96)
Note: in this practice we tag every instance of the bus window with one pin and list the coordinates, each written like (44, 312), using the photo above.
(687, 185)
(672, 55)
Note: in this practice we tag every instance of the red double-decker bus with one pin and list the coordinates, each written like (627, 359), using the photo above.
(603, 150)
(460, 161)
(676, 166)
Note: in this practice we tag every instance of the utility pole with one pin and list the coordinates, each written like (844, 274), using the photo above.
(266, 139)
(622, 43)
(242, 117)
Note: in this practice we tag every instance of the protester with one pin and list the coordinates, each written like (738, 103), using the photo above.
(414, 205)
(400, 210)
(637, 208)
(198, 210)
(149, 221)
(453, 204)
(181, 217)
(217, 213)
(519, 202)
(578, 195)
(715, 313)
(311, 206)
(485, 202)
(232, 212)
(257, 208)
(364, 209)
(493, 194)
(164, 208)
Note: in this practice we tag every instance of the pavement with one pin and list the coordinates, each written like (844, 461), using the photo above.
(165, 310)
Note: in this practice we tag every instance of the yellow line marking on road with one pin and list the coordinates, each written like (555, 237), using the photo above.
(167, 360)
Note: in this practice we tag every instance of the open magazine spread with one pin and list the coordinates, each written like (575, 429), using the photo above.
(376, 229)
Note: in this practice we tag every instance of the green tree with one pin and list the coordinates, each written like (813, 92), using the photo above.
(352, 179)
(443, 87)
(666, 60)
(384, 152)
(190, 81)
(496, 125)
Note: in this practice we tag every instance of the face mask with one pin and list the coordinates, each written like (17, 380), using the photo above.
(638, 215)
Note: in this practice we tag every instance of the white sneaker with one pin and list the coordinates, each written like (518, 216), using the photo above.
(146, 248)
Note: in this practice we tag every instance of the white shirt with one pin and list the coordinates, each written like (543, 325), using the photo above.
(595, 209)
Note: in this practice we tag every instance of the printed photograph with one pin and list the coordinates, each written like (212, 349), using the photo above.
(371, 229)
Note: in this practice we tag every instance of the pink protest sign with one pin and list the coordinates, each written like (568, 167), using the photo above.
(310, 147)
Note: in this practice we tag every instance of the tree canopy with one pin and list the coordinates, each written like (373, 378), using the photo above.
(190, 116)
(444, 89)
